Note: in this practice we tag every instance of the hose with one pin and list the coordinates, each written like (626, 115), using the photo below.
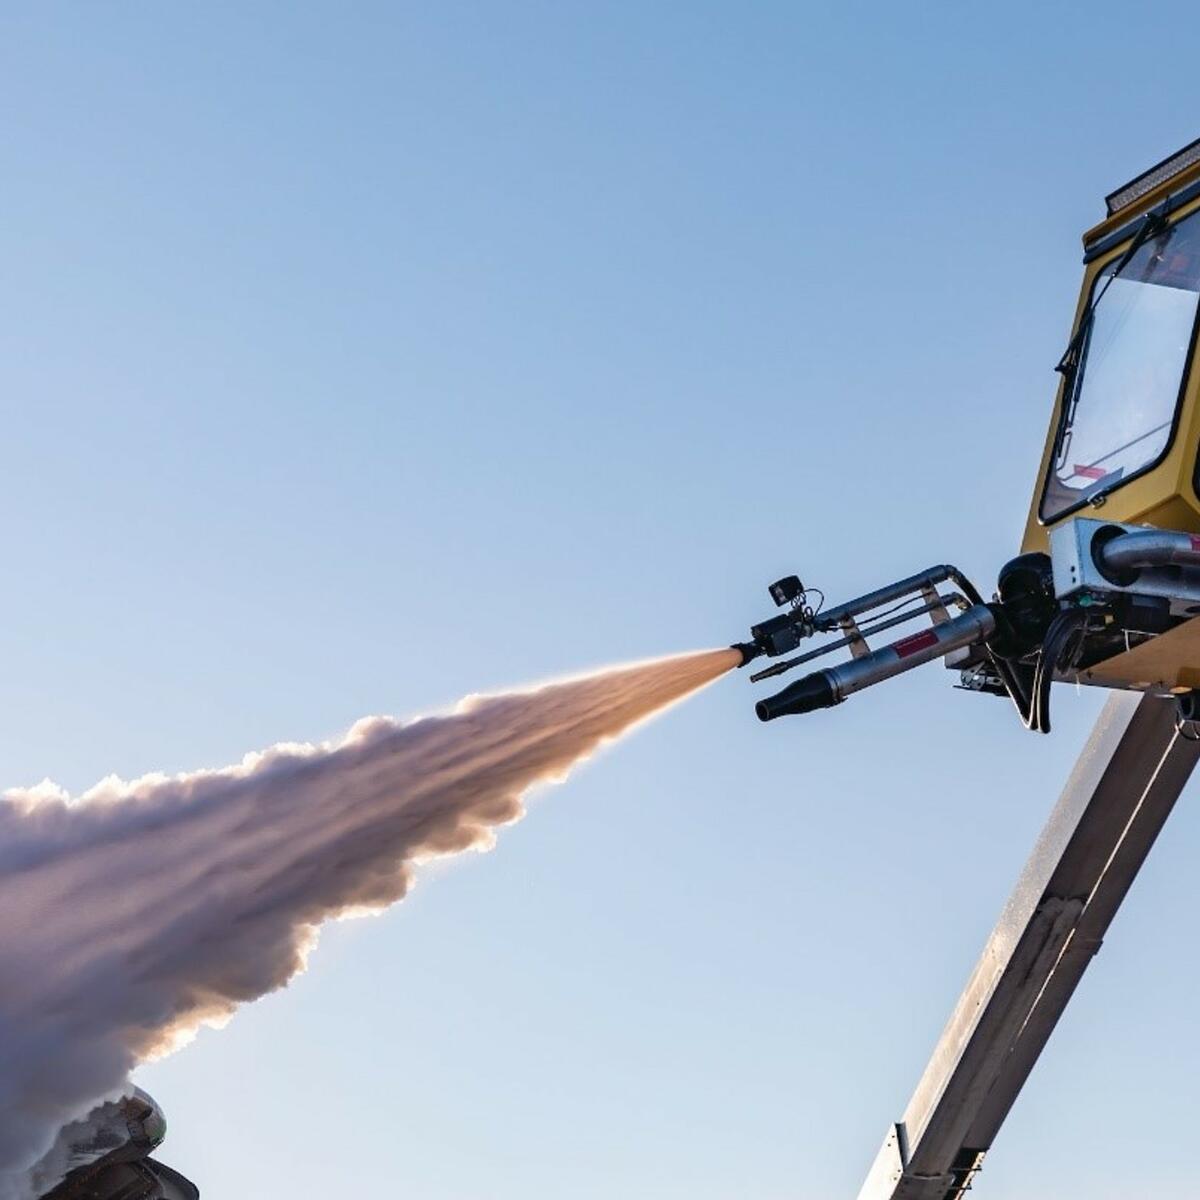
(1008, 676)
(1061, 635)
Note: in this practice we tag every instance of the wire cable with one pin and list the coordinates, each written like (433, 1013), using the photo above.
(1062, 642)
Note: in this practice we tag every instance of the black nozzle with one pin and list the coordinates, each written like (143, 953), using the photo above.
(805, 695)
(748, 650)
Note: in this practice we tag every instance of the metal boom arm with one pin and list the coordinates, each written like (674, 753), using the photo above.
(1118, 797)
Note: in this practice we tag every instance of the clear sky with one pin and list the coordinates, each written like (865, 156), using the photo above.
(356, 357)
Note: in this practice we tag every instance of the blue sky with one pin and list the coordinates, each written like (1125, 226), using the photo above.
(358, 357)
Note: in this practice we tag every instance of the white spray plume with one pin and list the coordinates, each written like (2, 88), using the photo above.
(140, 911)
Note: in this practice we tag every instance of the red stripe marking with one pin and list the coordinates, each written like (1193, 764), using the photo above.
(1090, 472)
(918, 641)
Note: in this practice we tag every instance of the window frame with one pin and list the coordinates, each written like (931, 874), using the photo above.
(1077, 383)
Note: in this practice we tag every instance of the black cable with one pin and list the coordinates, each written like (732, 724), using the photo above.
(1064, 629)
(1040, 697)
(1019, 678)
(1021, 699)
(887, 612)
(1181, 728)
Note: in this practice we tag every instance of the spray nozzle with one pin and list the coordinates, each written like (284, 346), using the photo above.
(748, 650)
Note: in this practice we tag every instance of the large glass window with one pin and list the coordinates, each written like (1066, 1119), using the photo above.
(1120, 411)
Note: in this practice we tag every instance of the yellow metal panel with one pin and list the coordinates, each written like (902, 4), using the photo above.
(1171, 660)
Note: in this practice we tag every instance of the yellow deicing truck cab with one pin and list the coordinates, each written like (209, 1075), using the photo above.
(1106, 588)
(1122, 444)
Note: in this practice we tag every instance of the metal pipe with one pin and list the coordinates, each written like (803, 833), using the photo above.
(1150, 548)
(823, 689)
(977, 624)
(943, 601)
(930, 577)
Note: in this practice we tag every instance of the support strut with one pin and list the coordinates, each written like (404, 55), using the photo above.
(1118, 797)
